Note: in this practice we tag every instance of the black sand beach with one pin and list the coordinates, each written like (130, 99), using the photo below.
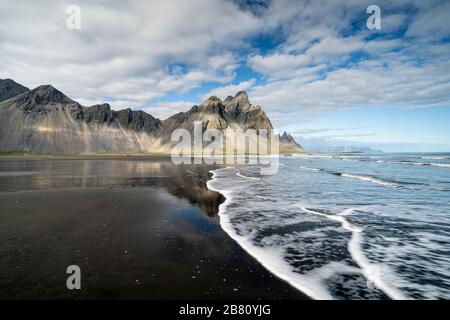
(138, 227)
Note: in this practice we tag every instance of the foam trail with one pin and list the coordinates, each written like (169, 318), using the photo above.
(391, 238)
(242, 176)
(270, 259)
(310, 169)
(357, 176)
(435, 158)
(443, 165)
(425, 164)
(369, 270)
(371, 179)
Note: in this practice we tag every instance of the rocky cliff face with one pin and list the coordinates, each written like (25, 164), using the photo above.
(45, 120)
(235, 112)
(244, 114)
(137, 121)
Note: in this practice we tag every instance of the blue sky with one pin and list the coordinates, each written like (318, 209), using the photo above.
(388, 129)
(313, 66)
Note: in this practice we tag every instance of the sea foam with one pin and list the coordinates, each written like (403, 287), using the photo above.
(327, 236)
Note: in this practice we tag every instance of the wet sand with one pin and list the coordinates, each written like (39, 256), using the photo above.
(138, 227)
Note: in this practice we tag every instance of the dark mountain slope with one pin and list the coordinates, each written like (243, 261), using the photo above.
(9, 89)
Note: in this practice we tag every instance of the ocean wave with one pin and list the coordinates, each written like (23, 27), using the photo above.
(246, 177)
(404, 162)
(426, 164)
(435, 158)
(310, 169)
(365, 178)
(413, 163)
(371, 179)
(443, 165)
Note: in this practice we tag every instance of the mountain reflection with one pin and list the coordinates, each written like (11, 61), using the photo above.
(183, 181)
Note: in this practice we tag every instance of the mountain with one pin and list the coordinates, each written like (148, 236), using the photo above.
(45, 120)
(10, 89)
(235, 112)
(289, 145)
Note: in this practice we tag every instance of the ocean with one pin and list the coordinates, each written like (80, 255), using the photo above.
(346, 226)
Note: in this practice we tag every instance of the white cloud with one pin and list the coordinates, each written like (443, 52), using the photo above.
(328, 50)
(136, 52)
(432, 21)
(324, 65)
(123, 48)
(397, 84)
(277, 64)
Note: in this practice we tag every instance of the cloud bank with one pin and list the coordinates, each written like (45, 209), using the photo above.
(301, 58)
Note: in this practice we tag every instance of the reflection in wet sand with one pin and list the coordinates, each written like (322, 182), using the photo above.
(185, 181)
(136, 228)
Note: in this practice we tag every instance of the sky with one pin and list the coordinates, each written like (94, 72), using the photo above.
(313, 66)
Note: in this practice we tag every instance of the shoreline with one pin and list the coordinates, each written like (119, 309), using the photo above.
(246, 245)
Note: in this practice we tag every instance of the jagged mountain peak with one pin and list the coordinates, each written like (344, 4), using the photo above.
(9, 89)
(241, 95)
(46, 94)
(288, 144)
(233, 104)
(285, 135)
(238, 103)
(213, 100)
(212, 105)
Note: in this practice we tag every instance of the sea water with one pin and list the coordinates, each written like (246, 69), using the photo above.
(346, 226)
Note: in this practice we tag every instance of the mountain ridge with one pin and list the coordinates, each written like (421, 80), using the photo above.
(46, 120)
